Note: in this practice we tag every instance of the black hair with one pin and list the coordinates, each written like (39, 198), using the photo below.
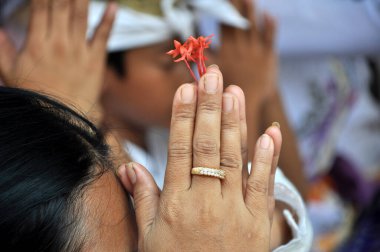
(116, 61)
(48, 155)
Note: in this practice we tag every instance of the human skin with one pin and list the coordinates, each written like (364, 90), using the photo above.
(108, 222)
(196, 213)
(56, 47)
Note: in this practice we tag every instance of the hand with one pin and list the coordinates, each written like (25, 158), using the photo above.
(248, 56)
(56, 58)
(199, 213)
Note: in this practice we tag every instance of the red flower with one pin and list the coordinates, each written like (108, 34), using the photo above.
(192, 51)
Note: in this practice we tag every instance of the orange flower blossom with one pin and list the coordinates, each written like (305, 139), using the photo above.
(192, 51)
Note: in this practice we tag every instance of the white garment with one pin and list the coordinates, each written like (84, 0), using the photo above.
(326, 26)
(309, 27)
(305, 26)
(155, 162)
(136, 29)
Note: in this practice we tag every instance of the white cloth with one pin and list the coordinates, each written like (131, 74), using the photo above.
(136, 29)
(155, 162)
(307, 27)
(326, 26)
(302, 231)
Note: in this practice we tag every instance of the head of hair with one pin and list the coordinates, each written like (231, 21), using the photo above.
(48, 155)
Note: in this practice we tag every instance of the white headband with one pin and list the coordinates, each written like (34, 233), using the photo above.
(136, 29)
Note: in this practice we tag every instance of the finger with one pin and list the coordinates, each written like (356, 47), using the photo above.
(39, 20)
(100, 38)
(238, 92)
(79, 20)
(270, 29)
(8, 54)
(275, 133)
(252, 18)
(206, 141)
(60, 12)
(230, 34)
(256, 197)
(140, 184)
(238, 4)
(230, 147)
(180, 158)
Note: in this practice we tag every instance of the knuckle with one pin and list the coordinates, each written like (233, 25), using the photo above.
(140, 198)
(171, 211)
(60, 47)
(231, 125)
(209, 106)
(230, 160)
(263, 161)
(258, 187)
(184, 113)
(33, 50)
(179, 149)
(205, 145)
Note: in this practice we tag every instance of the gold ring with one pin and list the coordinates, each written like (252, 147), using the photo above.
(211, 172)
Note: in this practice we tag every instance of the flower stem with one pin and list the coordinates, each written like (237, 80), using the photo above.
(199, 66)
(191, 71)
(203, 64)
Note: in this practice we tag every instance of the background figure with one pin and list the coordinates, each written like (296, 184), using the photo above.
(329, 83)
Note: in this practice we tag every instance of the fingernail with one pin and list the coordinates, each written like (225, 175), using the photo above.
(213, 66)
(187, 93)
(276, 124)
(228, 103)
(211, 83)
(265, 141)
(113, 6)
(131, 173)
(121, 170)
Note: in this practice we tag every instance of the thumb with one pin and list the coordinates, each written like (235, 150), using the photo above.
(7, 52)
(139, 182)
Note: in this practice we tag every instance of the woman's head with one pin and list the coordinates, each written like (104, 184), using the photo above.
(57, 188)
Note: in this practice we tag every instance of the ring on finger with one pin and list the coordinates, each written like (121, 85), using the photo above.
(210, 172)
